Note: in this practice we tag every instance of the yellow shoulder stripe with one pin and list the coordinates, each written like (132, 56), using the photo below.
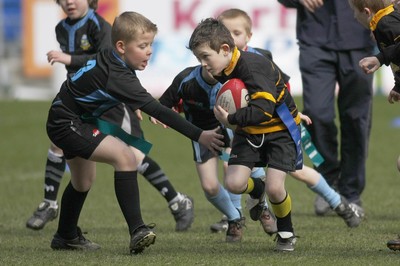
(263, 95)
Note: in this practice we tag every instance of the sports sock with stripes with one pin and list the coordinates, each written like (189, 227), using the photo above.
(157, 178)
(282, 211)
(55, 167)
(255, 187)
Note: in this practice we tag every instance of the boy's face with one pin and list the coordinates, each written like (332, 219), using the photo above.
(212, 61)
(363, 17)
(136, 53)
(237, 27)
(74, 9)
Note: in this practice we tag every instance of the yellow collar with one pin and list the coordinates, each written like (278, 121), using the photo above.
(234, 60)
(380, 14)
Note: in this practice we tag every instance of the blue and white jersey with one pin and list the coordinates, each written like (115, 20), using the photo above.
(83, 38)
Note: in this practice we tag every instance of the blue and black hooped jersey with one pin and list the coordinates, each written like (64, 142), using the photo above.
(198, 97)
(83, 38)
(107, 81)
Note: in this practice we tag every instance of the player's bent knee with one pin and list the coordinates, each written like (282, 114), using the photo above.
(125, 161)
(211, 190)
(234, 186)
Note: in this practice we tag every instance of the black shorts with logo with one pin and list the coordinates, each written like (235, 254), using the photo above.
(75, 137)
(276, 150)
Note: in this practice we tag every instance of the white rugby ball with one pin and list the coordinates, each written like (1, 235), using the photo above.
(233, 95)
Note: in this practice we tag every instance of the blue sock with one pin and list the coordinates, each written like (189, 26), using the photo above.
(223, 203)
(236, 200)
(326, 192)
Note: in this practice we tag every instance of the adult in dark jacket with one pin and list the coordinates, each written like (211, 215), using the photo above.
(331, 44)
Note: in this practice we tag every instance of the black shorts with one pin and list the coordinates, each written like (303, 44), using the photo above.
(73, 136)
(276, 150)
(201, 154)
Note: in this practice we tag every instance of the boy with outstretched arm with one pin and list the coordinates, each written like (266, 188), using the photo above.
(107, 80)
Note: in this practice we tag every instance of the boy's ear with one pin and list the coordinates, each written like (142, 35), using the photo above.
(367, 11)
(225, 48)
(120, 46)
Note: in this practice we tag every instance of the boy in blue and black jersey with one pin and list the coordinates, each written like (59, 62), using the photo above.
(108, 80)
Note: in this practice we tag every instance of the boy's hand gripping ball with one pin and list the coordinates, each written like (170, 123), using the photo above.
(233, 95)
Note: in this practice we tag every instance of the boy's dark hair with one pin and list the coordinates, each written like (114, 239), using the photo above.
(92, 3)
(129, 25)
(212, 32)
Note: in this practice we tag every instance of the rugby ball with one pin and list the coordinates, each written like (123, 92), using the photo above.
(233, 95)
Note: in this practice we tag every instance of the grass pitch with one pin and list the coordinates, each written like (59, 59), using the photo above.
(323, 240)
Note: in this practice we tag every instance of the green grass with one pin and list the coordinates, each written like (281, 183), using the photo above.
(323, 240)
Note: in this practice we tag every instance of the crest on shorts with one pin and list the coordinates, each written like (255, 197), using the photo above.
(96, 132)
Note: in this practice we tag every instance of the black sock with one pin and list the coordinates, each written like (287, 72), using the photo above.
(127, 192)
(153, 173)
(71, 205)
(55, 167)
(259, 188)
(284, 224)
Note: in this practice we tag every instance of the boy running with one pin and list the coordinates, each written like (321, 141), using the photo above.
(261, 137)
(196, 90)
(239, 24)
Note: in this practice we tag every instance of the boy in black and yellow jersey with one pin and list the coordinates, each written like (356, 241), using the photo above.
(384, 20)
(262, 137)
(239, 24)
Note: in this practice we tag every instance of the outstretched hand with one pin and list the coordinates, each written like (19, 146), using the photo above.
(212, 140)
(157, 122)
(139, 114)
